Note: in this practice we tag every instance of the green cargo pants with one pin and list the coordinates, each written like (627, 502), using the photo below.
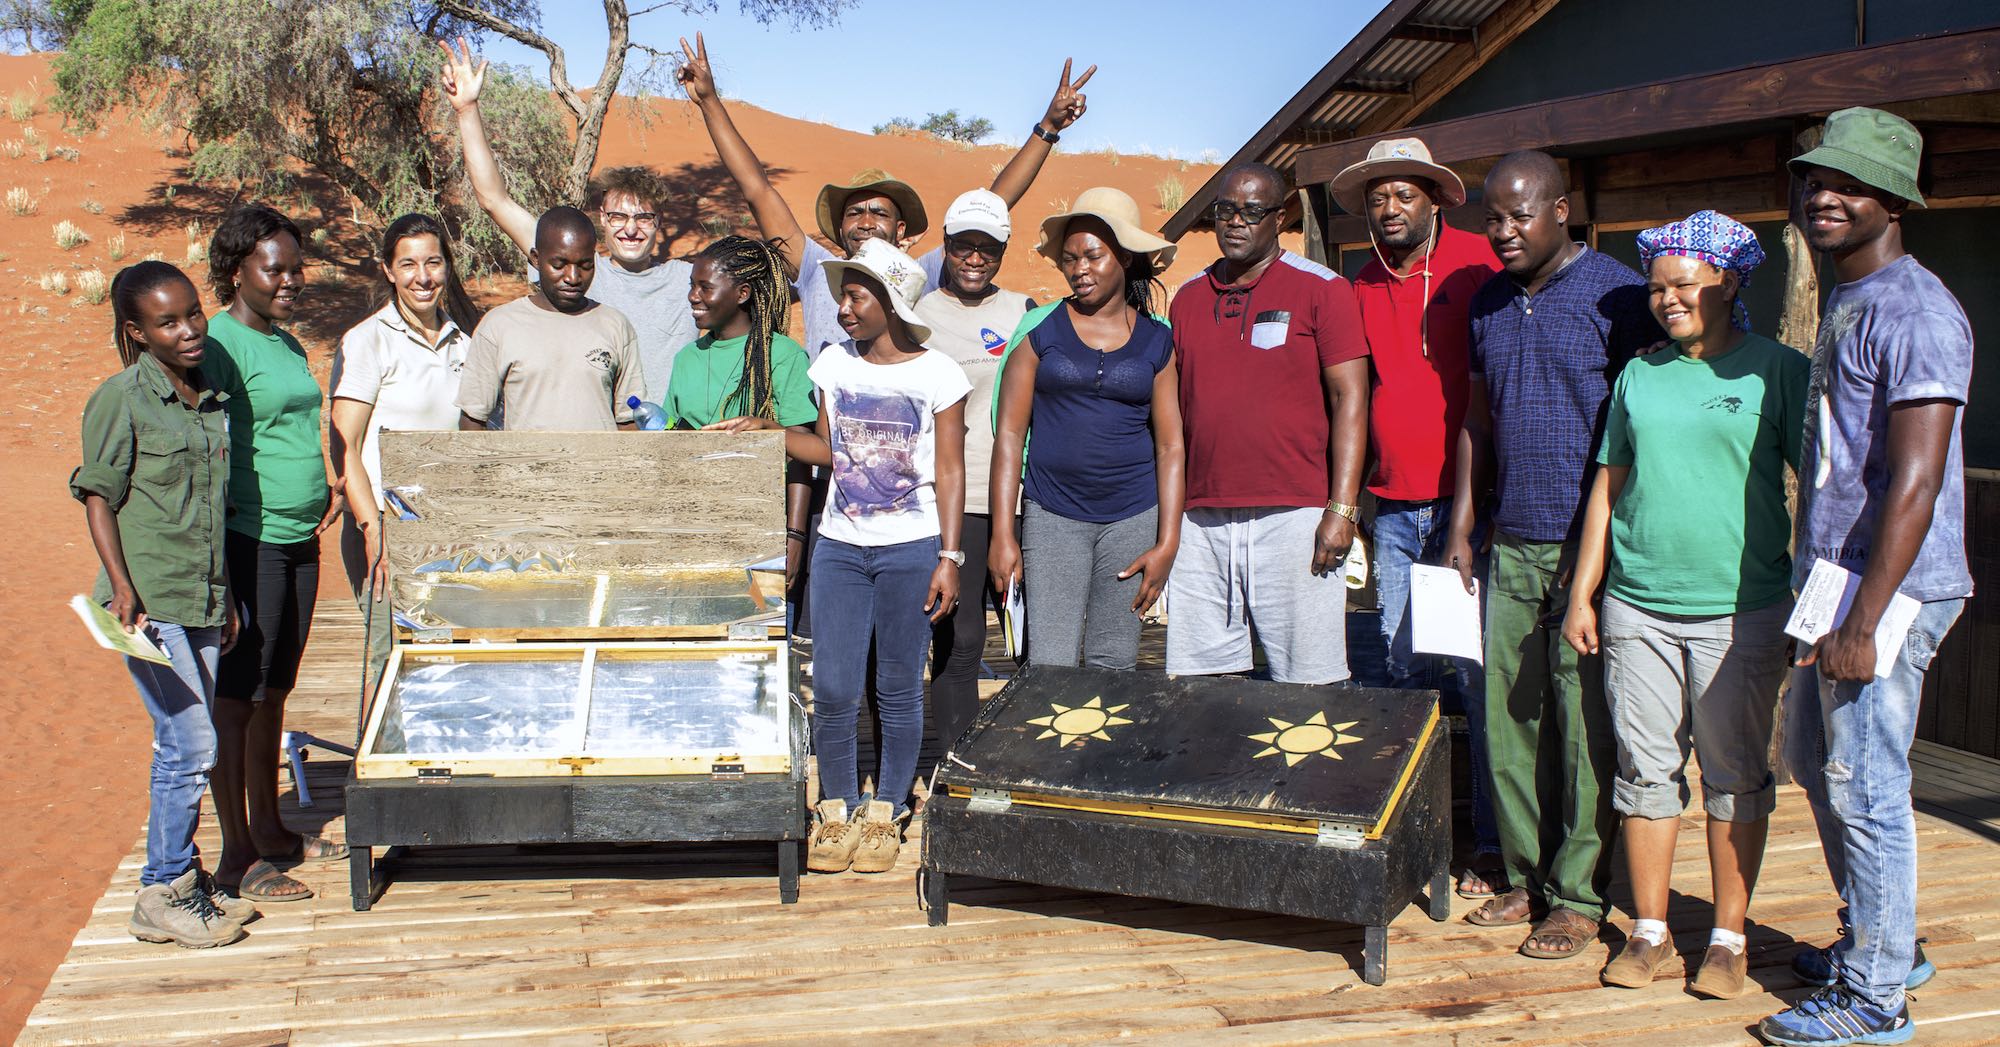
(1548, 734)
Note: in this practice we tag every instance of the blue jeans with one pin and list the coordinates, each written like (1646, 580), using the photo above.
(178, 698)
(861, 593)
(1414, 533)
(1849, 744)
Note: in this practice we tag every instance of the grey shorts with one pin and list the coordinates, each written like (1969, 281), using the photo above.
(1708, 685)
(1240, 570)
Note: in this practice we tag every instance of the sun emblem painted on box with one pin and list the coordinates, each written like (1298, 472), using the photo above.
(1077, 723)
(1296, 741)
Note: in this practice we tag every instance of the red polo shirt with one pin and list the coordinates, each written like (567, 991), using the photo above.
(1421, 362)
(1252, 399)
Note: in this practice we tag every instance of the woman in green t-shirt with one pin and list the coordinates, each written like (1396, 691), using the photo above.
(280, 501)
(1687, 528)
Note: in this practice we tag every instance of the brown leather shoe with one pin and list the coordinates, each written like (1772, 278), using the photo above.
(1637, 964)
(1723, 974)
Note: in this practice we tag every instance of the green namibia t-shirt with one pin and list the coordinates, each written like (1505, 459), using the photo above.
(277, 477)
(703, 388)
(1701, 527)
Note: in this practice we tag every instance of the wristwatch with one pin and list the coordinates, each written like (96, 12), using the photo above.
(1047, 136)
(956, 557)
(1352, 512)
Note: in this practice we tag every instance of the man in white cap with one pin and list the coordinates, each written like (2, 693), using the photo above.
(1415, 297)
(970, 320)
(873, 206)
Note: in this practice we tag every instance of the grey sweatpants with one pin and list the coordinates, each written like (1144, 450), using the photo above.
(1075, 602)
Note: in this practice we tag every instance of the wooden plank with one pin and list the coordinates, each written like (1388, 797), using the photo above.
(1743, 194)
(1952, 64)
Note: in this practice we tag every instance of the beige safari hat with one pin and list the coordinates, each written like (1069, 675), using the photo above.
(1117, 210)
(833, 200)
(1389, 158)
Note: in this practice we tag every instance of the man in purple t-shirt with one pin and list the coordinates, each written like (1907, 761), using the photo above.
(1882, 494)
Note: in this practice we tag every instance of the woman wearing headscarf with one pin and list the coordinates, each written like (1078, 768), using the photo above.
(1687, 529)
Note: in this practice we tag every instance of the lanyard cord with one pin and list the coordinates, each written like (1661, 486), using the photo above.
(1424, 310)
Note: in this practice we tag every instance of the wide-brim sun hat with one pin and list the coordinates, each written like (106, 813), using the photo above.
(1116, 210)
(1882, 149)
(898, 273)
(1394, 158)
(833, 200)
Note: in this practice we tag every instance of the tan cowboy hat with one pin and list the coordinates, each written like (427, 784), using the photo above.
(833, 200)
(898, 273)
(1116, 210)
(1391, 158)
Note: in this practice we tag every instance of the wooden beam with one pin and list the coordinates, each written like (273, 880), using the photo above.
(1371, 89)
(1434, 34)
(1960, 63)
(1495, 32)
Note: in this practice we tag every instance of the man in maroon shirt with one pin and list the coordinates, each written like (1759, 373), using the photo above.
(1274, 397)
(1415, 298)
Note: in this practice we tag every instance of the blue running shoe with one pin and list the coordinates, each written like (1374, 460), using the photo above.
(1817, 966)
(1833, 1017)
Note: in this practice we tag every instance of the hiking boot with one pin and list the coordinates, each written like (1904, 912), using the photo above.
(1722, 975)
(1637, 963)
(1834, 1017)
(236, 910)
(181, 913)
(881, 832)
(1818, 967)
(834, 837)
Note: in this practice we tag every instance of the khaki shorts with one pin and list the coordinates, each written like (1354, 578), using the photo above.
(1241, 571)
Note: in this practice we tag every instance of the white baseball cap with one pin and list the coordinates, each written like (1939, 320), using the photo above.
(978, 210)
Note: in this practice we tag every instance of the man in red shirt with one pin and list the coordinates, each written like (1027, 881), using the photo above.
(1274, 397)
(1415, 297)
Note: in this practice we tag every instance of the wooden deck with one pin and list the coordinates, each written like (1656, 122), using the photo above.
(690, 945)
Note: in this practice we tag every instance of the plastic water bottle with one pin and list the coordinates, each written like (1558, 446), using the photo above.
(649, 415)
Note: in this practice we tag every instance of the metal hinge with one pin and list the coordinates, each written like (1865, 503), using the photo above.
(725, 771)
(990, 801)
(1334, 834)
(433, 774)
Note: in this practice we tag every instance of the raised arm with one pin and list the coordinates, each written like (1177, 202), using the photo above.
(461, 81)
(774, 216)
(1012, 183)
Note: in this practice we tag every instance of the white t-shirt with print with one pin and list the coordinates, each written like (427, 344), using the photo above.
(412, 385)
(882, 419)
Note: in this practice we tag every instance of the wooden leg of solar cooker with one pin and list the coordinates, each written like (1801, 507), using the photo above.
(788, 871)
(1375, 955)
(361, 876)
(937, 897)
(1440, 900)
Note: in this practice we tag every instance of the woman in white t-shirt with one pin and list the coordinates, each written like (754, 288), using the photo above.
(892, 430)
(397, 369)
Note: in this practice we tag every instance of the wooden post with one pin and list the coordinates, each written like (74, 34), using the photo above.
(1799, 326)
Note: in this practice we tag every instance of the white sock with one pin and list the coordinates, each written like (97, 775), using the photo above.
(1653, 931)
(1728, 939)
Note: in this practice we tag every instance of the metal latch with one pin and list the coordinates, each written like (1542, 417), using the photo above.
(430, 636)
(434, 774)
(725, 771)
(990, 801)
(1334, 834)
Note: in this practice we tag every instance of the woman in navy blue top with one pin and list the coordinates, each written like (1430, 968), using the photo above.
(1094, 378)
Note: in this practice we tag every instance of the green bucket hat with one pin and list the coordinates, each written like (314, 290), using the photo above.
(1881, 149)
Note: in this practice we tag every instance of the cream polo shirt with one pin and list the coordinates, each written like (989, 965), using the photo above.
(411, 385)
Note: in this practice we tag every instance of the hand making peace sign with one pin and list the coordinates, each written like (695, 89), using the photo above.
(694, 74)
(1068, 104)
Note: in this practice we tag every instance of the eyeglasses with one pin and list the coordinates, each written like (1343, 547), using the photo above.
(963, 249)
(617, 218)
(1224, 210)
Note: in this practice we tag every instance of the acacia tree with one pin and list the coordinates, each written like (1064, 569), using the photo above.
(347, 90)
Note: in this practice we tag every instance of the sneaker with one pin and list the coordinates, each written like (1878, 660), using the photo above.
(1723, 974)
(881, 837)
(1818, 967)
(238, 910)
(1832, 1017)
(834, 837)
(180, 912)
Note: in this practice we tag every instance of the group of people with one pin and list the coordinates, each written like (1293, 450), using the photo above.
(1601, 453)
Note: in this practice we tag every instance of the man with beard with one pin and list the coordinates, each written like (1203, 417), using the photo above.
(1549, 335)
(1416, 299)
(653, 294)
(1881, 494)
(1274, 400)
(553, 359)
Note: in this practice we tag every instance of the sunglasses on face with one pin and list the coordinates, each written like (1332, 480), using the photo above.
(619, 218)
(1225, 210)
(963, 249)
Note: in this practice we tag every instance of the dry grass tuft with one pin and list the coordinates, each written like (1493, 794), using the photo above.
(13, 148)
(115, 247)
(70, 153)
(70, 236)
(1172, 193)
(20, 202)
(92, 286)
(55, 282)
(93, 207)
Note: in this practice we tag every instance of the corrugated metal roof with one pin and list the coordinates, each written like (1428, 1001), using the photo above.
(1341, 98)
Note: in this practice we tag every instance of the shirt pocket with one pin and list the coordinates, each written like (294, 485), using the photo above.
(161, 467)
(1271, 329)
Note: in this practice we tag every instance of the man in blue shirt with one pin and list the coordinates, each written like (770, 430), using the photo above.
(1881, 494)
(1549, 334)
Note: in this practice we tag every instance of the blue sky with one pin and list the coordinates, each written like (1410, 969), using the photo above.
(1174, 76)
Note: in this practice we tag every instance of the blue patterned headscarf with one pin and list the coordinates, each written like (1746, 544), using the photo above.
(1717, 239)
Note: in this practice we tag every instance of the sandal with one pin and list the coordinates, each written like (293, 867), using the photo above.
(264, 884)
(1482, 878)
(1572, 930)
(310, 848)
(1504, 910)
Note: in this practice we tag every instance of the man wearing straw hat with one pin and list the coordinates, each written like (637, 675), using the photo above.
(1274, 400)
(1416, 298)
(872, 206)
(1881, 495)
